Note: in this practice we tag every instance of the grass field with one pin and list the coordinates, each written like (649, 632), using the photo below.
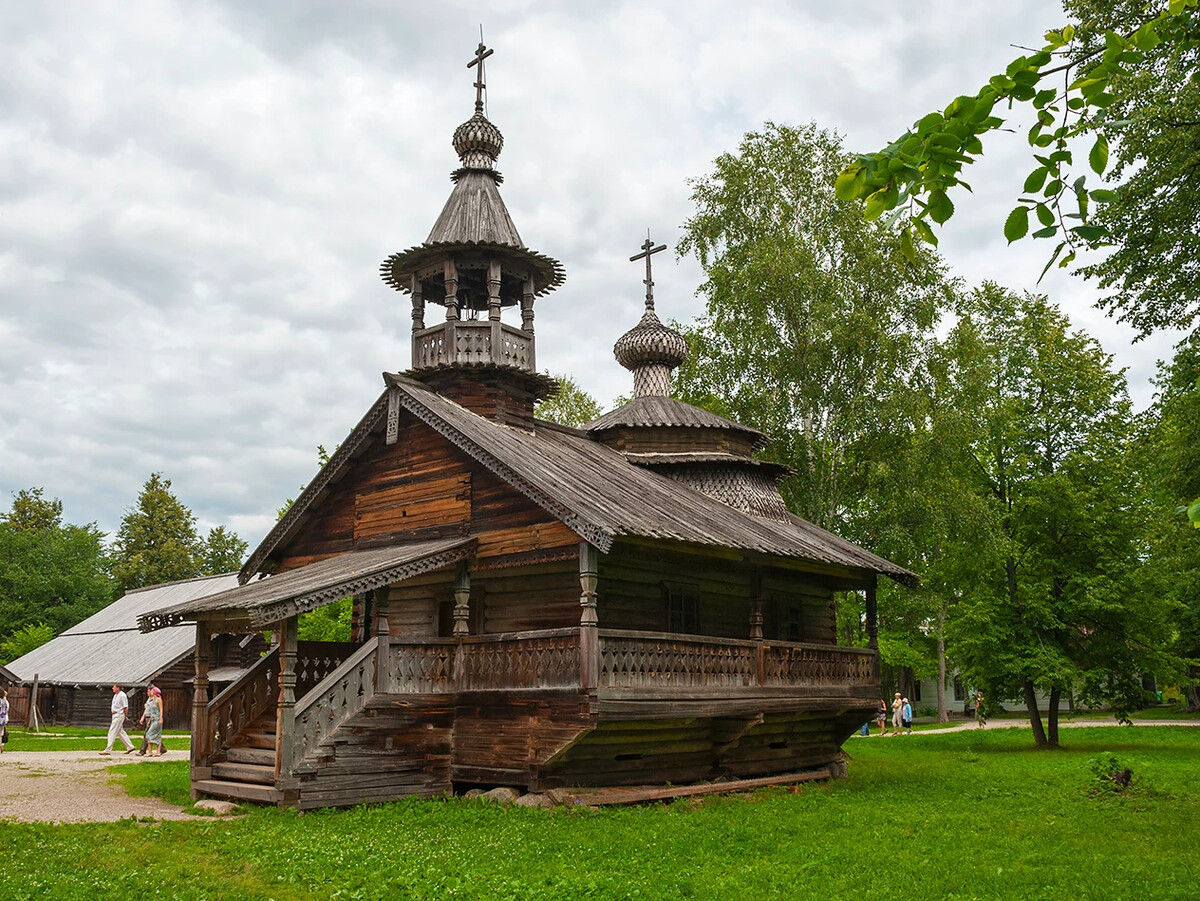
(967, 815)
(76, 738)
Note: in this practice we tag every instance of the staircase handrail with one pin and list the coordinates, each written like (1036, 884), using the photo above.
(245, 677)
(302, 704)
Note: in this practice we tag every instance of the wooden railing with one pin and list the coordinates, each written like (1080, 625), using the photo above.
(315, 660)
(330, 703)
(467, 341)
(663, 660)
(816, 665)
(242, 704)
(635, 659)
(544, 659)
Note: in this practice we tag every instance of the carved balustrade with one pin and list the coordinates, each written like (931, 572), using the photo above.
(315, 660)
(467, 341)
(637, 659)
(548, 659)
(818, 665)
(341, 694)
(241, 704)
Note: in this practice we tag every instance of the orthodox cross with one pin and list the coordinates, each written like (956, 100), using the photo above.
(481, 53)
(647, 249)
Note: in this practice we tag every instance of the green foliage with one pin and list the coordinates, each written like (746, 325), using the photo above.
(223, 551)
(1052, 597)
(24, 640)
(328, 623)
(814, 321)
(976, 815)
(50, 574)
(1129, 79)
(570, 405)
(158, 542)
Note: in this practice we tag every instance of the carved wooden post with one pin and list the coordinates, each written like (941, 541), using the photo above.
(493, 289)
(527, 319)
(756, 622)
(201, 727)
(418, 321)
(285, 718)
(382, 638)
(462, 621)
(589, 637)
(451, 277)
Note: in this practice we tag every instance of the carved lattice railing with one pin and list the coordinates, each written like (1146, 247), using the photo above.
(243, 703)
(546, 660)
(340, 695)
(817, 665)
(472, 341)
(424, 667)
(636, 659)
(315, 660)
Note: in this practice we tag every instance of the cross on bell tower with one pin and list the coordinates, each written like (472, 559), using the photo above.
(481, 53)
(648, 249)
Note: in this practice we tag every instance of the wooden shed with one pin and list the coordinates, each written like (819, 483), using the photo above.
(535, 606)
(76, 670)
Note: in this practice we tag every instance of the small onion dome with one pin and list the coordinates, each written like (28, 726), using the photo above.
(478, 142)
(650, 343)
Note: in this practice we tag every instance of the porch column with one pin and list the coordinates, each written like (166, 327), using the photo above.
(589, 637)
(462, 621)
(872, 626)
(756, 623)
(201, 728)
(382, 633)
(285, 717)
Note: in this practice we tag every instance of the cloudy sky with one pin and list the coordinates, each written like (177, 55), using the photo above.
(195, 198)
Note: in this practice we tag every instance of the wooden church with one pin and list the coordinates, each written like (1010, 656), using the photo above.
(535, 606)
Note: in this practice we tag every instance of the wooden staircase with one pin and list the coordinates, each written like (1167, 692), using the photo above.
(247, 772)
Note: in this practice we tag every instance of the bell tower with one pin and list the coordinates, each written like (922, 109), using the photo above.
(475, 265)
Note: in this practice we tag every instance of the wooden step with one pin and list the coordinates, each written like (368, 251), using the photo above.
(237, 791)
(245, 772)
(256, 755)
(258, 739)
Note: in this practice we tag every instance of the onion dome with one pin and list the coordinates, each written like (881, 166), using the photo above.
(478, 143)
(650, 343)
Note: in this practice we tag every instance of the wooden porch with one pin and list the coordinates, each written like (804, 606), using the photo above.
(316, 724)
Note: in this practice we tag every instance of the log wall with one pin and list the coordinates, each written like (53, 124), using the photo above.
(633, 579)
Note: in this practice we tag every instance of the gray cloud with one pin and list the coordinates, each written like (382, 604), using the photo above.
(195, 198)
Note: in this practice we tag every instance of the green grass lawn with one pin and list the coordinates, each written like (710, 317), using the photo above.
(79, 738)
(969, 815)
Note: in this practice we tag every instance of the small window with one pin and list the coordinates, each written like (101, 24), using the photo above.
(959, 694)
(917, 690)
(793, 623)
(683, 613)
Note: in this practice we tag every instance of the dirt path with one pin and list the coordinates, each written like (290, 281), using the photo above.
(74, 787)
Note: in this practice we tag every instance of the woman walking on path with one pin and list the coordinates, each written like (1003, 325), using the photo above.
(980, 719)
(906, 717)
(152, 716)
(881, 715)
(897, 708)
(3, 718)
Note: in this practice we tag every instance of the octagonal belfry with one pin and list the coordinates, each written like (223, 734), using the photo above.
(473, 262)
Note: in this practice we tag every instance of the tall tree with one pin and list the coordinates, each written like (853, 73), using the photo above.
(1052, 603)
(51, 575)
(157, 540)
(814, 319)
(1169, 460)
(223, 552)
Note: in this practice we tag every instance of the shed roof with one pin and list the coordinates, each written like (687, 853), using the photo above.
(296, 591)
(108, 648)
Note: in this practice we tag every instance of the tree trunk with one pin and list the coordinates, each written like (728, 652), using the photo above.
(942, 715)
(1035, 718)
(1052, 717)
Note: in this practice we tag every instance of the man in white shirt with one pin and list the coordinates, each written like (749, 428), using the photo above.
(116, 729)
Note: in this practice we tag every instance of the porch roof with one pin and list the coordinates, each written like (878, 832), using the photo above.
(268, 600)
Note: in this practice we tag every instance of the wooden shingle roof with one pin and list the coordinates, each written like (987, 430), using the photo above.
(658, 411)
